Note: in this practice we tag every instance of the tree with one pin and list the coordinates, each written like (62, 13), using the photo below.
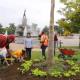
(11, 29)
(20, 30)
(46, 30)
(51, 29)
(2, 30)
(71, 12)
(1, 26)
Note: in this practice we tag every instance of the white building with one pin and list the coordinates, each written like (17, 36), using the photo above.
(24, 28)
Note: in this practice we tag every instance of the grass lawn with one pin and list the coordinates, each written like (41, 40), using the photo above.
(71, 47)
(36, 55)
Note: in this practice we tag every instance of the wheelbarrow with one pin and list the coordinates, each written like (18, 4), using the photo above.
(66, 53)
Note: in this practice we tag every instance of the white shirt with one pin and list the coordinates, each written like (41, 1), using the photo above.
(28, 42)
(3, 52)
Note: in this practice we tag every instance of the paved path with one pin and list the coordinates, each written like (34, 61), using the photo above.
(70, 41)
(15, 46)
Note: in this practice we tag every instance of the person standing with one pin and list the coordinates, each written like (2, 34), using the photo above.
(55, 41)
(28, 45)
(44, 44)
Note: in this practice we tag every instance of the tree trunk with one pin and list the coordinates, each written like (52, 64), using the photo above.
(51, 36)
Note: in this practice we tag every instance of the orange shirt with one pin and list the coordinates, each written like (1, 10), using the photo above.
(17, 53)
(44, 40)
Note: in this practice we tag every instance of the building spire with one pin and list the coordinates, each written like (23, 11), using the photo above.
(24, 12)
(24, 20)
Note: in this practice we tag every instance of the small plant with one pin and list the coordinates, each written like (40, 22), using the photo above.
(76, 68)
(72, 73)
(66, 74)
(70, 62)
(38, 72)
(56, 70)
(25, 66)
(69, 73)
(56, 73)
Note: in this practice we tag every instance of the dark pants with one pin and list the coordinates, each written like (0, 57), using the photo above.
(1, 59)
(28, 52)
(43, 48)
(55, 44)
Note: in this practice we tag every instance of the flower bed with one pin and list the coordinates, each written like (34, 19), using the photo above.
(31, 73)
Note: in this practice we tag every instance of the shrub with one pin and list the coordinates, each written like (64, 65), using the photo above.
(25, 66)
(37, 72)
(56, 74)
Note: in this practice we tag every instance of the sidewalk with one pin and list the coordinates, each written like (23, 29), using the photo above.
(15, 46)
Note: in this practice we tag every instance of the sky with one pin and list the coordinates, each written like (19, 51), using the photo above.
(37, 11)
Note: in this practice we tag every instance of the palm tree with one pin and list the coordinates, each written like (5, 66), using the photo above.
(51, 30)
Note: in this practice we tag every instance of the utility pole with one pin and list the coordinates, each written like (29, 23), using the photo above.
(51, 35)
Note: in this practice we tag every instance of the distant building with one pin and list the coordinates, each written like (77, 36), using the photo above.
(24, 28)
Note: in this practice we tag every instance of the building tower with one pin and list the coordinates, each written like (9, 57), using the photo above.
(24, 20)
(24, 23)
(24, 28)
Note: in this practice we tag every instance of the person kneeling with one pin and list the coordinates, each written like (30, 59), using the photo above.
(18, 55)
(3, 56)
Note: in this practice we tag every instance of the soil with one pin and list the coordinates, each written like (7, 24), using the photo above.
(11, 73)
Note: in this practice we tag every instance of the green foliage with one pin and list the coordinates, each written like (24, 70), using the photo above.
(73, 71)
(70, 62)
(71, 12)
(57, 69)
(56, 73)
(2, 30)
(25, 66)
(76, 68)
(66, 74)
(36, 60)
(69, 73)
(36, 55)
(64, 1)
(20, 32)
(60, 30)
(37, 72)
(11, 29)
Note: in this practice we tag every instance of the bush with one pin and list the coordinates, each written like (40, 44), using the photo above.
(25, 67)
(37, 72)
